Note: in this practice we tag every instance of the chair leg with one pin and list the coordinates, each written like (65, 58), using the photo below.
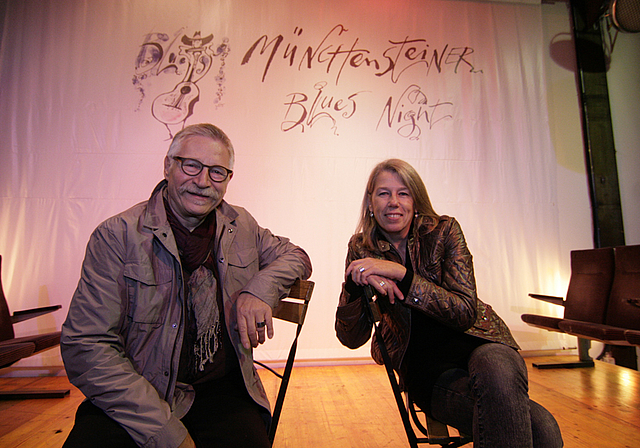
(285, 377)
(583, 350)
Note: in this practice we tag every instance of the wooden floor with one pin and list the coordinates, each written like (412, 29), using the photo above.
(352, 406)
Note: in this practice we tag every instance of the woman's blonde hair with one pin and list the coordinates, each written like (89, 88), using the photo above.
(411, 179)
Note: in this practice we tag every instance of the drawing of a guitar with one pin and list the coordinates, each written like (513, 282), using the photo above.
(176, 106)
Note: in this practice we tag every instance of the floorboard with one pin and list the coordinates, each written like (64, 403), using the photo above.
(352, 406)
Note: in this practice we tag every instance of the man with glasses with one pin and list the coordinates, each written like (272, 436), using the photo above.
(174, 295)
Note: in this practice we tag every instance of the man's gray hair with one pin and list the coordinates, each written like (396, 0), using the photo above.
(202, 130)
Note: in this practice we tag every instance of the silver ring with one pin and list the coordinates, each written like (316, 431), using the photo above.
(361, 269)
(381, 284)
(261, 324)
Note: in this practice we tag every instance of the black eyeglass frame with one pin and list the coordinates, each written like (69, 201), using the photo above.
(182, 160)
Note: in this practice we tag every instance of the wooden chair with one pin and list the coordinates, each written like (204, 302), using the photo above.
(434, 431)
(292, 308)
(12, 349)
(592, 272)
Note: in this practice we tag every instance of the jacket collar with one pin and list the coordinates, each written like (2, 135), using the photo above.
(225, 212)
(383, 245)
(155, 216)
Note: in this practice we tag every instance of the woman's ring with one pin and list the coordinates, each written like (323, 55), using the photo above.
(361, 269)
(381, 284)
(261, 324)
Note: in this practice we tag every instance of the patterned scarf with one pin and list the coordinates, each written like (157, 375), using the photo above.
(201, 288)
(203, 304)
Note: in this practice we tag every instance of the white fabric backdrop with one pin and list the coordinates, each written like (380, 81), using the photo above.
(330, 89)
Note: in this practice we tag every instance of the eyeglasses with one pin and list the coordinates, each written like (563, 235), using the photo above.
(192, 167)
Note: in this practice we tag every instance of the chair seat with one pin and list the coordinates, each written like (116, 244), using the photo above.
(633, 337)
(544, 322)
(10, 353)
(41, 341)
(604, 333)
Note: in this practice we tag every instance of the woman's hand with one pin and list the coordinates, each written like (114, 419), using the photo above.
(386, 287)
(380, 274)
(361, 269)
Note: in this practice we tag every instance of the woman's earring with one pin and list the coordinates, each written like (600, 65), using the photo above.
(370, 213)
(416, 214)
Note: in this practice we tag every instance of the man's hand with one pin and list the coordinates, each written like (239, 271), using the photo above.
(253, 317)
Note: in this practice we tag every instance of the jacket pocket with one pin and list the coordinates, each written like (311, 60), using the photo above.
(148, 293)
(242, 265)
(243, 258)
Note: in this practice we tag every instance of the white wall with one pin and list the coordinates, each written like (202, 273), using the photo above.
(90, 155)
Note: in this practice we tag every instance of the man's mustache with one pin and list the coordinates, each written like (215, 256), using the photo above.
(194, 189)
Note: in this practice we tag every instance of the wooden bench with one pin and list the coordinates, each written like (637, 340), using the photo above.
(592, 273)
(623, 307)
(13, 348)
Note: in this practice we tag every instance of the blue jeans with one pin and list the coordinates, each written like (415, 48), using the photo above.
(491, 402)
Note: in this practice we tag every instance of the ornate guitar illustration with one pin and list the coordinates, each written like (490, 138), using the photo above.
(176, 106)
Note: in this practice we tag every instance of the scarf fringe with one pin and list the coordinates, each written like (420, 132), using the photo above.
(207, 345)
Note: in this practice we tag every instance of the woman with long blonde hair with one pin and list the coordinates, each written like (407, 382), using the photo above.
(454, 355)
